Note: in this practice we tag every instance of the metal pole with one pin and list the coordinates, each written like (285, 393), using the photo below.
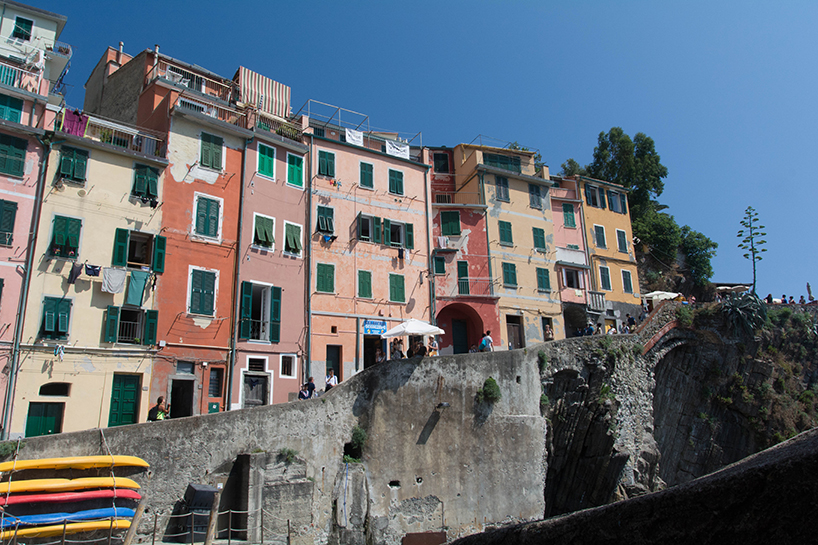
(262, 525)
(192, 526)
(64, 524)
(229, 526)
(110, 530)
(289, 535)
(153, 538)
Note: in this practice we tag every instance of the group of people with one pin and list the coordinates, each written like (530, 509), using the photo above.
(308, 390)
(627, 326)
(396, 351)
(769, 300)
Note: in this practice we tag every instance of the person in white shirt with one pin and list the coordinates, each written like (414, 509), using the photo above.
(331, 380)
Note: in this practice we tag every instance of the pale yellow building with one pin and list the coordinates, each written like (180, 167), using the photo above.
(86, 354)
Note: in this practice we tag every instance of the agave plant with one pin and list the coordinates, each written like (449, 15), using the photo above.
(745, 312)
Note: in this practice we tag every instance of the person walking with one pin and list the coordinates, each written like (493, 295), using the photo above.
(159, 411)
(487, 343)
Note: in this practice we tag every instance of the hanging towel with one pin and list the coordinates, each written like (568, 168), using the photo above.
(136, 288)
(113, 280)
(76, 270)
(355, 137)
(398, 149)
(92, 270)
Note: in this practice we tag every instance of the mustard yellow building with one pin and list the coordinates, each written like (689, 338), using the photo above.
(519, 231)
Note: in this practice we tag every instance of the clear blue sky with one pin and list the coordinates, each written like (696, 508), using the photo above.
(727, 90)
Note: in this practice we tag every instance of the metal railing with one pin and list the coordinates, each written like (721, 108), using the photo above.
(59, 48)
(191, 80)
(456, 197)
(467, 287)
(129, 332)
(232, 525)
(281, 127)
(118, 135)
(228, 115)
(259, 329)
(19, 78)
(596, 300)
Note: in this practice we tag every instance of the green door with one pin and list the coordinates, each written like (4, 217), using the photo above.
(463, 277)
(460, 336)
(44, 419)
(124, 400)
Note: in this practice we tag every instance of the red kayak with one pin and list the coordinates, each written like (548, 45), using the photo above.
(66, 497)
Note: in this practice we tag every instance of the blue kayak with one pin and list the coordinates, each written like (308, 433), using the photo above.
(9, 521)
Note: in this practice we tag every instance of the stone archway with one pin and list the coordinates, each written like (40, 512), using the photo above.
(459, 320)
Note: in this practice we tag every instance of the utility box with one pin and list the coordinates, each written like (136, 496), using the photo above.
(198, 501)
(213, 407)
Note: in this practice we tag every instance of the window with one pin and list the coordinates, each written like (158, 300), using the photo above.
(397, 293)
(131, 325)
(573, 246)
(135, 249)
(56, 317)
(202, 292)
(65, 240)
(502, 161)
(22, 29)
(214, 385)
(450, 223)
(599, 236)
(287, 366)
(292, 239)
(266, 161)
(185, 368)
(365, 284)
(295, 170)
(622, 240)
(325, 278)
(146, 182)
(12, 155)
(326, 164)
(11, 108)
(510, 275)
(365, 230)
(463, 278)
(441, 163)
(543, 280)
(325, 220)
(571, 279)
(539, 239)
(505, 233)
(501, 194)
(594, 197)
(627, 282)
(207, 216)
(568, 218)
(614, 202)
(395, 182)
(211, 151)
(263, 227)
(605, 278)
(61, 389)
(8, 212)
(367, 179)
(377, 230)
(534, 196)
(73, 164)
(260, 312)
(440, 265)
(319, 131)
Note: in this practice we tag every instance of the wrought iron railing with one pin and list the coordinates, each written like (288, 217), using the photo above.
(467, 287)
(456, 197)
(259, 330)
(281, 127)
(228, 115)
(129, 332)
(118, 135)
(191, 80)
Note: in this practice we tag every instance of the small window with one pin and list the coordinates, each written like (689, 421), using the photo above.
(534, 196)
(12, 154)
(502, 161)
(202, 292)
(614, 202)
(510, 275)
(599, 236)
(539, 239)
(62, 389)
(292, 239)
(365, 284)
(591, 196)
(326, 223)
(184, 367)
(211, 151)
(73, 164)
(365, 228)
(440, 265)
(136, 249)
(605, 278)
(506, 238)
(295, 170)
(502, 188)
(326, 164)
(367, 178)
(395, 182)
(8, 213)
(568, 218)
(56, 318)
(214, 385)
(288, 366)
(543, 280)
(573, 246)
(263, 231)
(11, 108)
(571, 279)
(622, 240)
(22, 29)
(65, 238)
(450, 223)
(266, 161)
(397, 293)
(207, 216)
(441, 163)
(146, 182)
(325, 278)
(319, 131)
(627, 282)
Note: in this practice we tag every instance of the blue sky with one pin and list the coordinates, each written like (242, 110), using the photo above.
(726, 90)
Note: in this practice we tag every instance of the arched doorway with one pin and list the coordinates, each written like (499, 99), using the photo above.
(463, 326)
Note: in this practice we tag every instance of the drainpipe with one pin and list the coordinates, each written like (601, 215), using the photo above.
(231, 360)
(308, 354)
(21, 307)
(488, 246)
(430, 276)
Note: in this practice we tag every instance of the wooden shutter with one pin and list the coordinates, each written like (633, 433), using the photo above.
(588, 190)
(216, 150)
(208, 292)
(121, 241)
(365, 284)
(49, 315)
(331, 165)
(207, 154)
(599, 231)
(361, 220)
(58, 238)
(505, 233)
(112, 324)
(266, 160)
(627, 283)
(140, 184)
(246, 313)
(159, 246)
(601, 198)
(622, 241)
(539, 238)
(73, 228)
(80, 164)
(67, 162)
(15, 149)
(440, 265)
(153, 182)
(624, 202)
(410, 236)
(213, 218)
(376, 231)
(8, 213)
(294, 170)
(196, 291)
(605, 278)
(275, 314)
(63, 316)
(322, 163)
(568, 215)
(387, 231)
(366, 175)
(543, 279)
(151, 326)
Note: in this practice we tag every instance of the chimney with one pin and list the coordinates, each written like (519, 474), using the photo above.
(155, 55)
(119, 54)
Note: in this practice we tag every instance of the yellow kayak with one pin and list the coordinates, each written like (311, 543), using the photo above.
(58, 485)
(70, 528)
(76, 462)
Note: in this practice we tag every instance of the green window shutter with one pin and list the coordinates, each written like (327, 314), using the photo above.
(331, 165)
(325, 219)
(599, 234)
(367, 179)
(73, 228)
(450, 223)
(195, 291)
(463, 277)
(12, 108)
(325, 278)
(159, 246)
(509, 274)
(292, 238)
(67, 162)
(396, 182)
(410, 236)
(588, 191)
(217, 152)
(140, 183)
(365, 284)
(622, 240)
(266, 160)
(505, 233)
(112, 324)
(49, 315)
(209, 290)
(397, 292)
(63, 316)
(376, 231)
(121, 240)
(275, 314)
(213, 218)
(12, 155)
(539, 238)
(322, 163)
(212, 151)
(58, 236)
(627, 283)
(207, 217)
(440, 265)
(361, 221)
(543, 279)
(207, 155)
(2, 282)
(80, 164)
(153, 182)
(568, 215)
(151, 327)
(8, 213)
(22, 29)
(245, 324)
(202, 292)
(295, 165)
(534, 196)
(623, 201)
(387, 231)
(601, 198)
(605, 278)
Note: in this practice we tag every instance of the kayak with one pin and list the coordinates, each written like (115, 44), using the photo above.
(70, 528)
(67, 497)
(76, 462)
(46, 485)
(10, 521)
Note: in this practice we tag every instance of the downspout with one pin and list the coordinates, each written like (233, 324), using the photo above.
(429, 275)
(21, 307)
(308, 355)
(236, 286)
(488, 246)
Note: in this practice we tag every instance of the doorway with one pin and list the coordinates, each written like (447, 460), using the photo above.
(334, 359)
(460, 336)
(514, 327)
(181, 398)
(44, 419)
(371, 345)
(124, 400)
(256, 391)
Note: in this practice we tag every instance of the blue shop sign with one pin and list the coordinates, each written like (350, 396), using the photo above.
(374, 327)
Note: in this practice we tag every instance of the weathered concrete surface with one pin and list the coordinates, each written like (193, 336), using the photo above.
(455, 464)
(771, 497)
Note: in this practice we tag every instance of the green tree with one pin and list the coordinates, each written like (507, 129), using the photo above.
(751, 241)
(698, 250)
(538, 162)
(661, 233)
(572, 168)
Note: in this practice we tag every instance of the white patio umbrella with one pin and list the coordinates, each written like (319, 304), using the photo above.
(412, 327)
(661, 295)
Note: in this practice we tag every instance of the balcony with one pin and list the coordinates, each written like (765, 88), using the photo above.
(20, 78)
(59, 48)
(456, 198)
(116, 134)
(227, 115)
(270, 123)
(467, 287)
(259, 329)
(596, 301)
(181, 76)
(129, 332)
(560, 193)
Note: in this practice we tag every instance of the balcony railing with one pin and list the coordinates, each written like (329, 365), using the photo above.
(596, 300)
(259, 329)
(560, 193)
(468, 287)
(14, 76)
(60, 48)
(118, 135)
(191, 80)
(456, 197)
(228, 115)
(129, 332)
(271, 123)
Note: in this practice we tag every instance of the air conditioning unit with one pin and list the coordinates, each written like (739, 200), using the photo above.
(453, 243)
